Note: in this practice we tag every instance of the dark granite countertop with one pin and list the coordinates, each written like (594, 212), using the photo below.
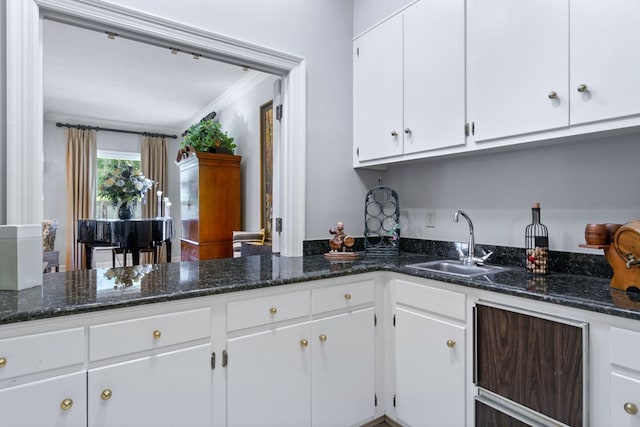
(85, 291)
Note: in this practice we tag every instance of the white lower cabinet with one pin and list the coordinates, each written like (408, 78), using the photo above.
(430, 355)
(166, 389)
(625, 378)
(59, 402)
(430, 371)
(343, 369)
(625, 400)
(318, 370)
(268, 378)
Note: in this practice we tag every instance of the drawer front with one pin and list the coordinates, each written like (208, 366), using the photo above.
(148, 333)
(41, 352)
(267, 310)
(342, 296)
(625, 348)
(434, 300)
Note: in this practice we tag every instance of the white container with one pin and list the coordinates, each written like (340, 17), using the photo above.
(20, 256)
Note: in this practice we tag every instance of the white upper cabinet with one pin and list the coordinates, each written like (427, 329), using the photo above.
(552, 65)
(434, 75)
(605, 59)
(409, 83)
(518, 62)
(377, 97)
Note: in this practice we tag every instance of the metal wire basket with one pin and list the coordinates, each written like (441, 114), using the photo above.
(536, 238)
(381, 222)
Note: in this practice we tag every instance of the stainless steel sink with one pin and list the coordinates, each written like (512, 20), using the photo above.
(457, 268)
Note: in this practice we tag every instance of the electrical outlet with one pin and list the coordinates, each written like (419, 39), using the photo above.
(431, 218)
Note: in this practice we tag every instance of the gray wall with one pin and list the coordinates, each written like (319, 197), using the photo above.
(321, 32)
(581, 182)
(367, 13)
(241, 120)
(3, 115)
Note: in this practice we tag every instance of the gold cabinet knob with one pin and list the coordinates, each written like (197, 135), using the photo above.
(347, 296)
(631, 408)
(394, 133)
(304, 343)
(66, 404)
(157, 334)
(3, 362)
(106, 394)
(273, 310)
(451, 343)
(323, 338)
(583, 88)
(553, 95)
(407, 131)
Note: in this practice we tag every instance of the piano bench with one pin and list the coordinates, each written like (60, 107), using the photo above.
(117, 251)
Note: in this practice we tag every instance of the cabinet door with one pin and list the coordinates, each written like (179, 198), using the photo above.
(343, 369)
(434, 75)
(532, 361)
(59, 402)
(268, 378)
(625, 400)
(604, 40)
(377, 96)
(518, 55)
(168, 389)
(430, 370)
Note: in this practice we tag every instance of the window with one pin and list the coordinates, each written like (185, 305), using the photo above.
(108, 161)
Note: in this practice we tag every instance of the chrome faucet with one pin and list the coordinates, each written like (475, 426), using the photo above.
(470, 259)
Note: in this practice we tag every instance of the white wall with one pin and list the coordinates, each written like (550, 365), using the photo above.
(55, 199)
(592, 180)
(321, 32)
(241, 120)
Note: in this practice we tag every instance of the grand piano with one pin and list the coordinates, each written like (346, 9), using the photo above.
(127, 236)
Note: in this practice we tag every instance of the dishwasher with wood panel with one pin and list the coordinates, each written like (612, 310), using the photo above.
(531, 369)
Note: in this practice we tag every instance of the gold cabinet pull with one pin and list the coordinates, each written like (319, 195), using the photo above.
(66, 404)
(631, 408)
(347, 296)
(157, 334)
(451, 343)
(323, 338)
(3, 362)
(553, 95)
(273, 310)
(583, 88)
(106, 394)
(304, 343)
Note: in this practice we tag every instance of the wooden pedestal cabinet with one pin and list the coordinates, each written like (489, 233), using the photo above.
(210, 205)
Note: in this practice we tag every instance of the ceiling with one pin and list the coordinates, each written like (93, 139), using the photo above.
(92, 79)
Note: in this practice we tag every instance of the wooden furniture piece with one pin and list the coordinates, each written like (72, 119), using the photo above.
(211, 205)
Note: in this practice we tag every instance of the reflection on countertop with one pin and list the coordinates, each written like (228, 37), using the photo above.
(101, 289)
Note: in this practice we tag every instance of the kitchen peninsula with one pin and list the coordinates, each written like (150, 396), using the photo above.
(106, 337)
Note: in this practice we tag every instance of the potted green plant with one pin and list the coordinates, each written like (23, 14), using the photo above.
(207, 136)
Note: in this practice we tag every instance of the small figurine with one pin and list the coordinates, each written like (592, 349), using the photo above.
(341, 246)
(340, 242)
